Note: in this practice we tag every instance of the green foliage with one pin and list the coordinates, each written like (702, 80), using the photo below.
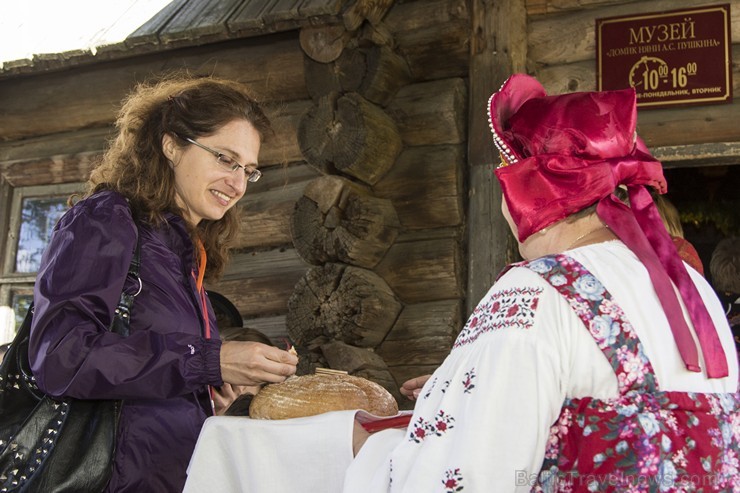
(724, 215)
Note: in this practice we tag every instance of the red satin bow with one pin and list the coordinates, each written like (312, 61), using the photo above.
(642, 230)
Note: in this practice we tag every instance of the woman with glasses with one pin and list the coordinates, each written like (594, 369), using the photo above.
(184, 154)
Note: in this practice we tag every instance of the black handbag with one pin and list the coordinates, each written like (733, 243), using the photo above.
(56, 445)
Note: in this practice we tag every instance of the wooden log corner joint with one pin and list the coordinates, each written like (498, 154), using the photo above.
(338, 221)
(349, 135)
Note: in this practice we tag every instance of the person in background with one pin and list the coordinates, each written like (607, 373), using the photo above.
(672, 221)
(227, 314)
(185, 150)
(238, 404)
(724, 268)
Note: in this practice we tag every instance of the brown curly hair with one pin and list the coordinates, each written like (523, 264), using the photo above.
(135, 166)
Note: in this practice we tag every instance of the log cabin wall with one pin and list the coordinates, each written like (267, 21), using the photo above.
(376, 226)
(404, 176)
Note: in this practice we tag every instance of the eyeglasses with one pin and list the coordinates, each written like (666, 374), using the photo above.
(228, 163)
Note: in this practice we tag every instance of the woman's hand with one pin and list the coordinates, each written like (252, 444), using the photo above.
(412, 388)
(254, 363)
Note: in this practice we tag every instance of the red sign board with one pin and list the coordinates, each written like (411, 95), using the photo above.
(670, 58)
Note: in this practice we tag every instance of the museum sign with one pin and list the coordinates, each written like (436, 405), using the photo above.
(670, 58)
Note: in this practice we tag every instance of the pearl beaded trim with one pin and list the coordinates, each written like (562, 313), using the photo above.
(504, 149)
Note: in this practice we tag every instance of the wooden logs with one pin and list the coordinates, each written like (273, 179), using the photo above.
(260, 283)
(431, 52)
(350, 135)
(336, 302)
(361, 10)
(423, 334)
(342, 356)
(266, 208)
(88, 97)
(375, 72)
(338, 221)
(431, 112)
(426, 186)
(424, 270)
(420, 340)
(323, 43)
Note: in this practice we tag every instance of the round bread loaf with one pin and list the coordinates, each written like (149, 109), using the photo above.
(309, 395)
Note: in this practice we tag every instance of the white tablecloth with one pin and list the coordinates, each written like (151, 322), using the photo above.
(238, 454)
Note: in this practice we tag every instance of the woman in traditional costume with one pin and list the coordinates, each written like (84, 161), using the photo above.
(599, 363)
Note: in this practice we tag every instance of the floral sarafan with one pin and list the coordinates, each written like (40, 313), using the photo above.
(646, 439)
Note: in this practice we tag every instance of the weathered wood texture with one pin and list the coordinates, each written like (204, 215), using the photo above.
(336, 302)
(259, 283)
(267, 206)
(433, 36)
(431, 113)
(425, 270)
(324, 44)
(372, 10)
(348, 134)
(89, 96)
(426, 186)
(339, 221)
(374, 72)
(537, 7)
(498, 48)
(423, 334)
(421, 176)
(420, 339)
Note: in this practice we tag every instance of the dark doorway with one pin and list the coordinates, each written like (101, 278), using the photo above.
(708, 202)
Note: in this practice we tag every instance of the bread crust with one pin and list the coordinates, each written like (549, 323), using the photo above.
(309, 395)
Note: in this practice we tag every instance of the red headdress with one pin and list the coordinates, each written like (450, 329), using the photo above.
(564, 153)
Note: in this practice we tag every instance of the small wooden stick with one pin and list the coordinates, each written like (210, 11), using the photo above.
(329, 371)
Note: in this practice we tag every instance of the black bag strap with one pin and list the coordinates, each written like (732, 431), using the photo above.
(121, 320)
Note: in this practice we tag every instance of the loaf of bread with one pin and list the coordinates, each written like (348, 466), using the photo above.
(309, 395)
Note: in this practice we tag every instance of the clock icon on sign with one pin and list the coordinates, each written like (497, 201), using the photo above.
(647, 73)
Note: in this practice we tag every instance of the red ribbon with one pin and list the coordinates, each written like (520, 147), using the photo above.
(642, 230)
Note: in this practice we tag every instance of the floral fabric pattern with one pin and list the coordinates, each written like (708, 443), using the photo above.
(453, 481)
(646, 439)
(508, 308)
(437, 426)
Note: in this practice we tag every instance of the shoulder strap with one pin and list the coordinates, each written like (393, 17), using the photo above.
(122, 317)
(604, 319)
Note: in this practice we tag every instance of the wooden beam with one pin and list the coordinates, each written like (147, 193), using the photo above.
(498, 48)
(698, 155)
(89, 96)
(558, 39)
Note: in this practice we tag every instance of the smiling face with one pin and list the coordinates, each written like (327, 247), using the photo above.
(203, 188)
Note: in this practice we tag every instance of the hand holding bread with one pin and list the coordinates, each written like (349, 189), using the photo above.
(254, 363)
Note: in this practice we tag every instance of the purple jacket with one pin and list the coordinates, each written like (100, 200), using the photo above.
(161, 370)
